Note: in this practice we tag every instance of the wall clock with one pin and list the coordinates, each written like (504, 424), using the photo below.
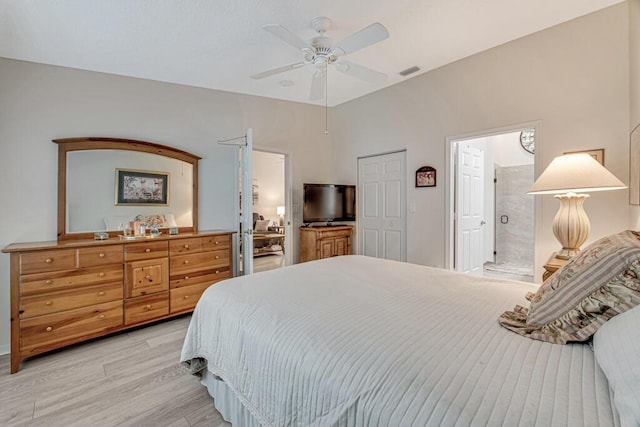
(528, 140)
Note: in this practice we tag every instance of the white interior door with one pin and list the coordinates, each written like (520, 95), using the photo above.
(382, 215)
(246, 168)
(469, 209)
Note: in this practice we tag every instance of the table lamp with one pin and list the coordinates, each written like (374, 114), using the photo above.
(565, 177)
(280, 213)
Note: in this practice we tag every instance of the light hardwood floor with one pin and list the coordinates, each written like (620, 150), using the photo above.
(130, 379)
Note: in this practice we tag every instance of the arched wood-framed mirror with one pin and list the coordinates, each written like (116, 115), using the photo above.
(92, 172)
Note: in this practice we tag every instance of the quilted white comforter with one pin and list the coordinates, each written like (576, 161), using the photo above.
(357, 341)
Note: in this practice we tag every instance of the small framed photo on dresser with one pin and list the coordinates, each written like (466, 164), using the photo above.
(426, 177)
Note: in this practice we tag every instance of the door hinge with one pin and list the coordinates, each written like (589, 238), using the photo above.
(495, 180)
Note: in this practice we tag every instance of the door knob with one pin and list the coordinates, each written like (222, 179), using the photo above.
(483, 222)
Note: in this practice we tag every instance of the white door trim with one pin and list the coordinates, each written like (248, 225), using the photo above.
(288, 200)
(450, 160)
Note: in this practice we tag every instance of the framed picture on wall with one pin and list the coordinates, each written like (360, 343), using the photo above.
(138, 187)
(426, 177)
(596, 154)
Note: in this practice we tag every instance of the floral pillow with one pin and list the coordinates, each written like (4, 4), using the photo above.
(160, 220)
(600, 282)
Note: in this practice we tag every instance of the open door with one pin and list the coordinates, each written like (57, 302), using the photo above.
(246, 168)
(469, 209)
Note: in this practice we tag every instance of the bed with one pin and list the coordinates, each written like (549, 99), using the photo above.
(359, 341)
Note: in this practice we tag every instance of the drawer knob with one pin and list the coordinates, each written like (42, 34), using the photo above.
(49, 329)
(147, 307)
(147, 250)
(186, 277)
(101, 293)
(186, 261)
(217, 257)
(49, 302)
(48, 260)
(48, 282)
(101, 317)
(101, 255)
(101, 274)
(186, 246)
(186, 297)
(149, 278)
(216, 243)
(217, 271)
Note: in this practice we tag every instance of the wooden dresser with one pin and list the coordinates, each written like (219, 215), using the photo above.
(325, 242)
(70, 291)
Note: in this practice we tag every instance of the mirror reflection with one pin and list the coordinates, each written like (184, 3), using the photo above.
(97, 200)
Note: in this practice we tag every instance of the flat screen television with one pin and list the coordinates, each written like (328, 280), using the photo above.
(329, 202)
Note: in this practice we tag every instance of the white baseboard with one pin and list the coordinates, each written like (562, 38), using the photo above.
(5, 349)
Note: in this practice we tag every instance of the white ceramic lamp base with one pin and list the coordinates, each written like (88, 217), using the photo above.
(571, 225)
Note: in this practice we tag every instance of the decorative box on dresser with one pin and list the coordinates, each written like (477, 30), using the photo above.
(325, 242)
(70, 291)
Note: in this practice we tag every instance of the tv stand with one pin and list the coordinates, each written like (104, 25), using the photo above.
(325, 241)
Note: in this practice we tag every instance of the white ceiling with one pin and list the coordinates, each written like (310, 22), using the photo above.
(217, 44)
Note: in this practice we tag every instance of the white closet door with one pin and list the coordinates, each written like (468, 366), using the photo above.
(382, 215)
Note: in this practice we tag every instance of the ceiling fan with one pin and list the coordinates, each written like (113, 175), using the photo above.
(320, 52)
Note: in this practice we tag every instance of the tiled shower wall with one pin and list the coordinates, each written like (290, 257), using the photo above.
(515, 239)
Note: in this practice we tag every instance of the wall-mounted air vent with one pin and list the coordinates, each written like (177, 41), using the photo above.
(409, 70)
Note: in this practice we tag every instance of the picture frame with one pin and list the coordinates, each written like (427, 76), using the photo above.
(426, 177)
(597, 154)
(141, 188)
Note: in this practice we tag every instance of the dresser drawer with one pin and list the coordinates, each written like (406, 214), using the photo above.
(146, 250)
(185, 246)
(186, 297)
(100, 255)
(34, 284)
(206, 276)
(38, 262)
(183, 264)
(146, 277)
(67, 300)
(146, 308)
(60, 328)
(328, 234)
(213, 243)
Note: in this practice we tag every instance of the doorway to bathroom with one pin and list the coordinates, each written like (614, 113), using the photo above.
(492, 216)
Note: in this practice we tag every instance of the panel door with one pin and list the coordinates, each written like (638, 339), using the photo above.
(469, 209)
(382, 206)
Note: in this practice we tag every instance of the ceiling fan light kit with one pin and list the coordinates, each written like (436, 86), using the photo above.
(321, 52)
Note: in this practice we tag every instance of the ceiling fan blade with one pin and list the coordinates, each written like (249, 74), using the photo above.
(361, 72)
(287, 36)
(365, 37)
(278, 70)
(318, 85)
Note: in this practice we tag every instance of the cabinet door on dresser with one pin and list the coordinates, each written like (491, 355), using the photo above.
(146, 281)
(341, 246)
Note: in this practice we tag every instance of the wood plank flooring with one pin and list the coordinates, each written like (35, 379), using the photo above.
(130, 379)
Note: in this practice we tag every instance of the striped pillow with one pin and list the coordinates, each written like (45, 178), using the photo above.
(600, 282)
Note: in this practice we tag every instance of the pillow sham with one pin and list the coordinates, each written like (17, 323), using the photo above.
(600, 282)
(617, 349)
(159, 220)
(262, 225)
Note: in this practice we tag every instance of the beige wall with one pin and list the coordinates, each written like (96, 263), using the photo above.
(573, 77)
(40, 103)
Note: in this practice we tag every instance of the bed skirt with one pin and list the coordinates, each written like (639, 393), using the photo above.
(226, 402)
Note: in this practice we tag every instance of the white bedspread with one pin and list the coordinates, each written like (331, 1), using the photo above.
(357, 341)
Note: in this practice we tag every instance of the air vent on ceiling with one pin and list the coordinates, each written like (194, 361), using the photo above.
(409, 70)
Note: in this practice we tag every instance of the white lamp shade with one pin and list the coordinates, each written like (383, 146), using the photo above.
(575, 173)
(280, 210)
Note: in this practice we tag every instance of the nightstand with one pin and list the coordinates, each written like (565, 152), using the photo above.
(552, 266)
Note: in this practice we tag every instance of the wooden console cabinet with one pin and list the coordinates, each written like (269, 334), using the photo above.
(325, 242)
(70, 291)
